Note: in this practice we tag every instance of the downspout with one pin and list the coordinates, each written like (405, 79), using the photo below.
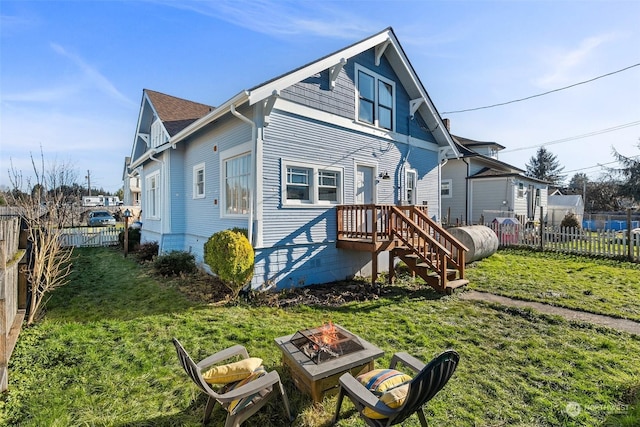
(467, 183)
(254, 149)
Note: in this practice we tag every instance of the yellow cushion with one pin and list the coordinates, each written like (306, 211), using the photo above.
(393, 398)
(239, 404)
(378, 381)
(232, 372)
(389, 385)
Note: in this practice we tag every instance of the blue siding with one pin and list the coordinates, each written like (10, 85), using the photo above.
(315, 92)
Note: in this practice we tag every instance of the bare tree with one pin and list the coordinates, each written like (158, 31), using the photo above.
(44, 211)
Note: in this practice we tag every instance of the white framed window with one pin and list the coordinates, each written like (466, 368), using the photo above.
(198, 181)
(237, 189)
(306, 184)
(446, 189)
(520, 190)
(152, 203)
(376, 99)
(411, 181)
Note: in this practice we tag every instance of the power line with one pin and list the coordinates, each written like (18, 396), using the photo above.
(572, 138)
(544, 93)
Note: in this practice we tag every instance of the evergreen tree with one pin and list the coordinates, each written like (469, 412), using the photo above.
(579, 182)
(630, 172)
(545, 166)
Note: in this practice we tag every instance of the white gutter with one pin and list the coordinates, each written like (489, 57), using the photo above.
(252, 197)
(239, 99)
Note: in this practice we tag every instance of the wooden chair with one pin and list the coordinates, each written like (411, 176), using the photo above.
(257, 392)
(430, 379)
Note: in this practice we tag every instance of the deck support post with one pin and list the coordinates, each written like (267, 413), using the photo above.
(374, 268)
(392, 267)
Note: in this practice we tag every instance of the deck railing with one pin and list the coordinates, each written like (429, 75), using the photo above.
(410, 224)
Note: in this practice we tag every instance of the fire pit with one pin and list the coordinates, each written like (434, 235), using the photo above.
(317, 357)
(326, 342)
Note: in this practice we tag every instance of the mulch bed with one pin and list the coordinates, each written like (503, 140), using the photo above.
(205, 288)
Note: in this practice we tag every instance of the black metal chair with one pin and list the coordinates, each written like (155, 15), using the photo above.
(257, 392)
(430, 379)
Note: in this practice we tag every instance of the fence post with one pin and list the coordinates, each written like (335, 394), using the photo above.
(541, 228)
(629, 252)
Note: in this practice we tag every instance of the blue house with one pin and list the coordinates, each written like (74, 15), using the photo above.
(333, 168)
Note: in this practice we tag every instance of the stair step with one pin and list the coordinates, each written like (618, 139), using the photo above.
(455, 284)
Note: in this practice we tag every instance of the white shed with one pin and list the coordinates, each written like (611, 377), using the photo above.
(560, 205)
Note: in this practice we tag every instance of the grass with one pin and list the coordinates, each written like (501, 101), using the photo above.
(103, 354)
(595, 285)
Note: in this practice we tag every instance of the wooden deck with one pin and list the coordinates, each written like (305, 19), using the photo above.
(408, 233)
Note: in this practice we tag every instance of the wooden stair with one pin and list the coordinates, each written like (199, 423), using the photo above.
(427, 256)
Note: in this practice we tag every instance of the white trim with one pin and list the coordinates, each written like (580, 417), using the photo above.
(157, 195)
(414, 194)
(376, 180)
(196, 168)
(450, 187)
(376, 104)
(243, 149)
(296, 76)
(313, 184)
(322, 116)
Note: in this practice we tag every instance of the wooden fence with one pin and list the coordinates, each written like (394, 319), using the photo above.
(12, 300)
(608, 243)
(83, 237)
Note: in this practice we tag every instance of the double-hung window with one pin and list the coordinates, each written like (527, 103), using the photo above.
(198, 181)
(376, 99)
(307, 184)
(152, 203)
(446, 189)
(237, 174)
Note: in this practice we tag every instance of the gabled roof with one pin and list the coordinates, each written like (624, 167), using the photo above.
(493, 173)
(176, 113)
(470, 143)
(467, 152)
(385, 43)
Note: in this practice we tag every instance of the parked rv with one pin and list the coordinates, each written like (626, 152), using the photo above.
(101, 201)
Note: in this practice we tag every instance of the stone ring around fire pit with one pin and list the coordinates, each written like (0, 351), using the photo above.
(318, 357)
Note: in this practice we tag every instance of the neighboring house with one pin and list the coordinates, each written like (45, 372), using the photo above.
(560, 205)
(131, 185)
(283, 158)
(477, 187)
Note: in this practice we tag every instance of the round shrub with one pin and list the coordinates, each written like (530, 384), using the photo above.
(175, 263)
(570, 221)
(230, 256)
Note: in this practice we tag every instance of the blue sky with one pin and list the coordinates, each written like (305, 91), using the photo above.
(72, 72)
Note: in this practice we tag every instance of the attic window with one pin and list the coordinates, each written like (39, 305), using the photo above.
(376, 99)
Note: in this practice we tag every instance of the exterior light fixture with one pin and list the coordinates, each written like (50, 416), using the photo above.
(384, 175)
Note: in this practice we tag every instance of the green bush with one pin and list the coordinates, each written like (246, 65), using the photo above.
(134, 239)
(230, 256)
(570, 221)
(147, 251)
(175, 263)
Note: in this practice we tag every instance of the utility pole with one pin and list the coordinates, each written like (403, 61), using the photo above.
(88, 182)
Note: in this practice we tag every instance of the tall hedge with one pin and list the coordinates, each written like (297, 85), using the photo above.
(230, 255)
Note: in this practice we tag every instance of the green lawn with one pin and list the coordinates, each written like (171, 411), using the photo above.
(103, 354)
(589, 284)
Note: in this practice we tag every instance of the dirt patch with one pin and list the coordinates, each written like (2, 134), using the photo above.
(210, 290)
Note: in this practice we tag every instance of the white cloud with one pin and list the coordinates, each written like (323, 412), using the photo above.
(565, 64)
(283, 18)
(93, 75)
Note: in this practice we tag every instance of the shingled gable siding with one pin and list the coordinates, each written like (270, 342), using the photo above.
(315, 92)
